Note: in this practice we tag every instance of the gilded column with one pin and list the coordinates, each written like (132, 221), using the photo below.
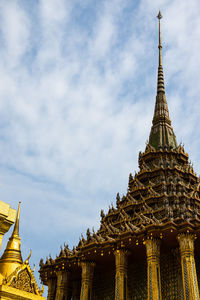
(87, 277)
(189, 276)
(51, 282)
(63, 289)
(153, 269)
(121, 274)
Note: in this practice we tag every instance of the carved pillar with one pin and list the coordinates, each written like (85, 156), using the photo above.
(76, 289)
(51, 282)
(189, 276)
(87, 277)
(153, 269)
(121, 274)
(63, 288)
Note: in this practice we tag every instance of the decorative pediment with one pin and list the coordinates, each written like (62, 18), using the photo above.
(23, 279)
(23, 282)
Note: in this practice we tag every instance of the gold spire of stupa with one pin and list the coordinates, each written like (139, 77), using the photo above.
(162, 134)
(11, 257)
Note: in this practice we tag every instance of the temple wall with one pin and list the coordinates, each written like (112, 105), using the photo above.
(171, 278)
(104, 285)
(137, 280)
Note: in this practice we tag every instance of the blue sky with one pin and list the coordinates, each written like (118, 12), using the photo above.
(77, 93)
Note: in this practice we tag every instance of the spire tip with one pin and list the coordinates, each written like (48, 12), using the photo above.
(159, 16)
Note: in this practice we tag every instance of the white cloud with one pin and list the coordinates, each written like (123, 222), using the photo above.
(15, 32)
(54, 11)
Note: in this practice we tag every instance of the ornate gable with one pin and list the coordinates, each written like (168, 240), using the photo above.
(23, 279)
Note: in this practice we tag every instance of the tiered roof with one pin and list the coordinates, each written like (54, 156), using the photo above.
(163, 197)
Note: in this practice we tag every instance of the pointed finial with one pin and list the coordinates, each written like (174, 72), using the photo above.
(159, 16)
(16, 227)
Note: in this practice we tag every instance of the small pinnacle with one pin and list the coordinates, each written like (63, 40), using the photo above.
(16, 226)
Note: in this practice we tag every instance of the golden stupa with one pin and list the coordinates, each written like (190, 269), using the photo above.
(17, 280)
(148, 245)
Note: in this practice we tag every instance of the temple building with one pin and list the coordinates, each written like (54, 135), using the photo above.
(148, 244)
(17, 280)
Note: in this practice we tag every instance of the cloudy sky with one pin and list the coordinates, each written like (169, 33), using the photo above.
(77, 93)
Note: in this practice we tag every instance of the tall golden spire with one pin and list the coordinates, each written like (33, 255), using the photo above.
(162, 134)
(12, 257)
